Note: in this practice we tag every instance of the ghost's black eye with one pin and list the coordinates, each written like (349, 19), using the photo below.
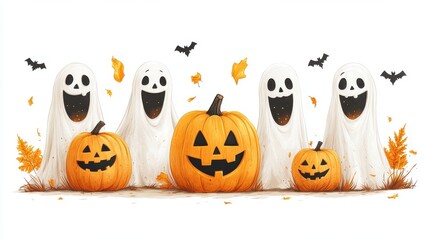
(288, 83)
(85, 80)
(145, 80)
(271, 85)
(342, 84)
(69, 79)
(162, 81)
(360, 83)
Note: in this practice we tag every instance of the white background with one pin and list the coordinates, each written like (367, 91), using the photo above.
(382, 35)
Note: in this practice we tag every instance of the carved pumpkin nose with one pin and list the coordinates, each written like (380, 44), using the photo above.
(154, 86)
(76, 86)
(313, 167)
(280, 90)
(216, 151)
(96, 155)
(352, 88)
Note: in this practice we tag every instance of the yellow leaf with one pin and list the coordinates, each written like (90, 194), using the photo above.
(413, 152)
(38, 133)
(191, 99)
(196, 79)
(51, 182)
(238, 70)
(389, 119)
(393, 196)
(396, 154)
(119, 69)
(30, 101)
(225, 202)
(30, 159)
(286, 198)
(313, 100)
(60, 198)
(109, 92)
(164, 181)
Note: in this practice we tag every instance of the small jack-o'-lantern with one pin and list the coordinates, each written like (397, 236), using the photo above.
(316, 169)
(98, 161)
(215, 151)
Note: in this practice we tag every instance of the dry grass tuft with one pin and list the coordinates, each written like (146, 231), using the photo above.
(398, 180)
(37, 185)
(347, 185)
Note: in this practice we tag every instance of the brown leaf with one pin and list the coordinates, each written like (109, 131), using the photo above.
(286, 198)
(30, 101)
(60, 198)
(191, 99)
(238, 70)
(164, 181)
(413, 152)
(393, 196)
(310, 143)
(119, 69)
(289, 155)
(389, 119)
(109, 92)
(313, 100)
(30, 159)
(196, 79)
(225, 202)
(396, 154)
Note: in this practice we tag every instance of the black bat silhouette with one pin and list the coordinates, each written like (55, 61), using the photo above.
(186, 49)
(35, 65)
(319, 61)
(393, 76)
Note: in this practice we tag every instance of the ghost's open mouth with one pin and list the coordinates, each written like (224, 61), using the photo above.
(217, 165)
(76, 106)
(153, 103)
(314, 176)
(281, 109)
(353, 106)
(95, 167)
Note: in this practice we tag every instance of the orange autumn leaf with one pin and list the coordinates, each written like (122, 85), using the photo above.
(109, 92)
(51, 182)
(164, 181)
(286, 198)
(389, 119)
(396, 154)
(191, 99)
(413, 152)
(310, 143)
(60, 198)
(393, 196)
(238, 70)
(30, 101)
(119, 69)
(225, 202)
(196, 79)
(30, 159)
(289, 155)
(313, 100)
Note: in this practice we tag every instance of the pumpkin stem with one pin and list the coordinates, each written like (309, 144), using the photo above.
(319, 144)
(97, 128)
(215, 107)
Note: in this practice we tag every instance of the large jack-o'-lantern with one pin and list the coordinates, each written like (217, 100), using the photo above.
(351, 127)
(214, 151)
(98, 161)
(74, 109)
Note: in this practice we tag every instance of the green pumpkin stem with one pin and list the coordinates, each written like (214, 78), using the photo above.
(319, 144)
(215, 107)
(97, 128)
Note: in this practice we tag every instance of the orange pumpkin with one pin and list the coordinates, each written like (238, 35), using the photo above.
(98, 161)
(316, 170)
(214, 151)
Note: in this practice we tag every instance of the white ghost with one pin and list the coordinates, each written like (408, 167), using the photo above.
(74, 109)
(281, 126)
(351, 127)
(148, 124)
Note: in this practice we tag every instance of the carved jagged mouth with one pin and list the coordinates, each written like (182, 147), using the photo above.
(152, 103)
(353, 106)
(217, 165)
(76, 106)
(95, 167)
(315, 175)
(281, 109)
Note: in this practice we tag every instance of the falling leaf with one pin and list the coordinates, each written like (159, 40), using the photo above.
(191, 99)
(413, 152)
(310, 143)
(313, 100)
(389, 119)
(164, 181)
(286, 198)
(225, 202)
(60, 198)
(109, 92)
(290, 154)
(396, 154)
(30, 159)
(393, 196)
(238, 70)
(119, 69)
(51, 182)
(372, 175)
(196, 79)
(38, 133)
(30, 101)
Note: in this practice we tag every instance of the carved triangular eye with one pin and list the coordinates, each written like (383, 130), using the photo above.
(231, 140)
(323, 162)
(86, 149)
(105, 148)
(305, 163)
(200, 140)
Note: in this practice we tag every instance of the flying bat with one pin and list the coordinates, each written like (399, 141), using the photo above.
(186, 49)
(35, 65)
(319, 62)
(393, 76)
